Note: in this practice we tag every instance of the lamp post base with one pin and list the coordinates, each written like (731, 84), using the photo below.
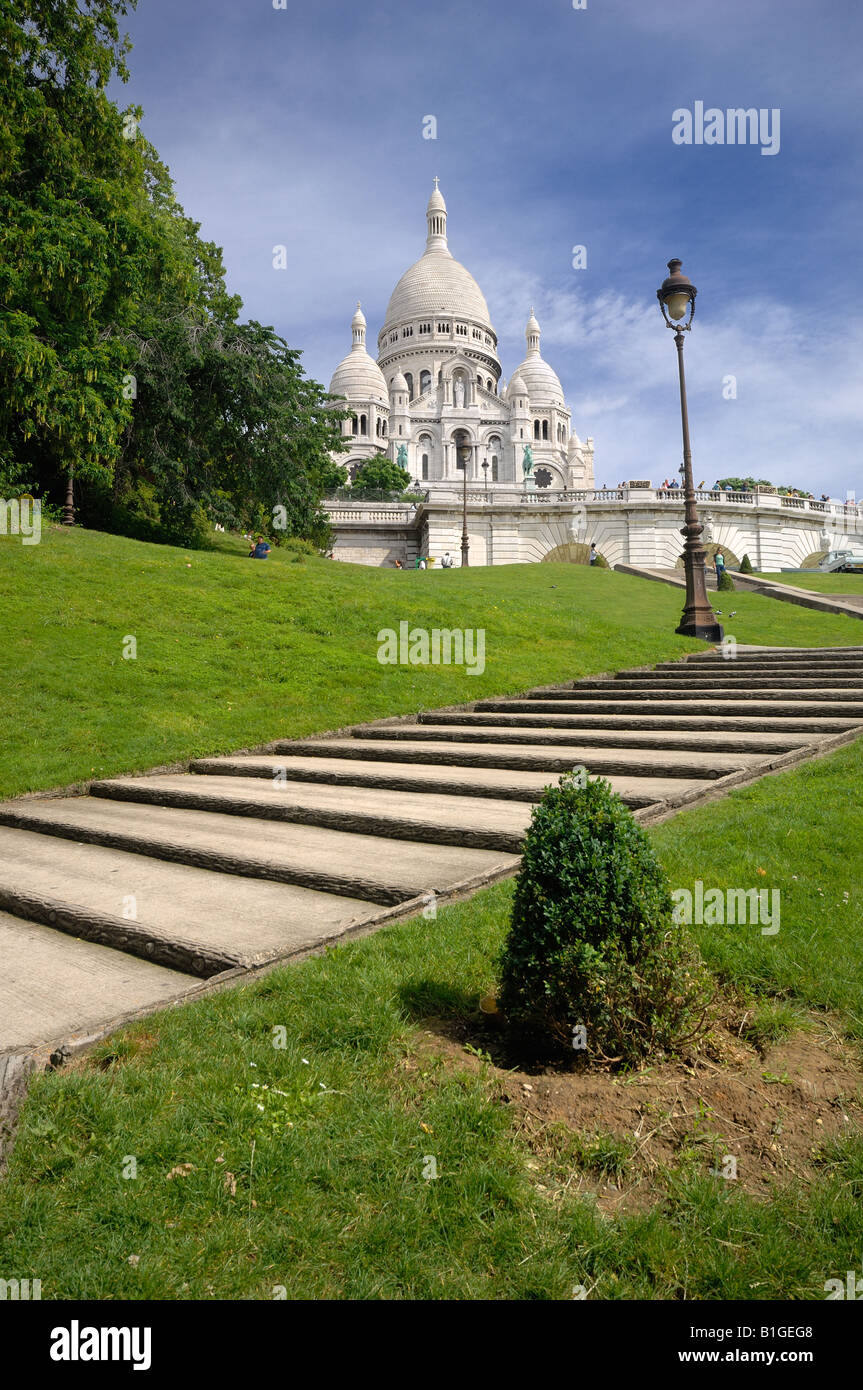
(705, 631)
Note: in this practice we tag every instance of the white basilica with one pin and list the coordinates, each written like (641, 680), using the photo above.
(435, 400)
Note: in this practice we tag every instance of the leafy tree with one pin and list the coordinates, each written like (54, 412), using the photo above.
(72, 230)
(121, 351)
(380, 473)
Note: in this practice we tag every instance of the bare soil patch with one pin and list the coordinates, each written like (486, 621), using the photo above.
(771, 1111)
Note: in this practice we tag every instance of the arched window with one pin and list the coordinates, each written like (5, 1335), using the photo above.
(536, 429)
(425, 444)
(383, 426)
(409, 378)
(425, 382)
(490, 385)
(355, 423)
(545, 429)
(364, 426)
(461, 439)
(494, 468)
(478, 379)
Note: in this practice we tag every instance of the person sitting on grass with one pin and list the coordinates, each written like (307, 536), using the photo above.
(260, 550)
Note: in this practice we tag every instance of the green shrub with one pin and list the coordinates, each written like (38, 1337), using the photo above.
(746, 565)
(592, 941)
(725, 582)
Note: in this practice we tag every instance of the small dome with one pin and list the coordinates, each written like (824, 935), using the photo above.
(516, 387)
(358, 376)
(399, 383)
(541, 382)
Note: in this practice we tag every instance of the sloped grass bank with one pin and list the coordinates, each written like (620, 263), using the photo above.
(230, 653)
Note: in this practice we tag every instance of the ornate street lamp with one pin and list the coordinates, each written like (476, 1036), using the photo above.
(464, 451)
(677, 297)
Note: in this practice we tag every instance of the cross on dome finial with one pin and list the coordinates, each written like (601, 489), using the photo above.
(436, 181)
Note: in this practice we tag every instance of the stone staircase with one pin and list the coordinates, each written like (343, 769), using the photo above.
(142, 891)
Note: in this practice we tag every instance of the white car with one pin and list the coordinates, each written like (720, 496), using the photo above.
(841, 560)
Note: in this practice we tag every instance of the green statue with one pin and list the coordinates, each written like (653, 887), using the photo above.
(527, 461)
(402, 456)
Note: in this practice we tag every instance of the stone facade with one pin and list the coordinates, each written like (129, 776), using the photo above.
(628, 526)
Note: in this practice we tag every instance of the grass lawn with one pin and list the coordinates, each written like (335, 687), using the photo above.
(233, 653)
(819, 583)
(303, 1166)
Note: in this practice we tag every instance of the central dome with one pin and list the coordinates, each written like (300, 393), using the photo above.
(437, 283)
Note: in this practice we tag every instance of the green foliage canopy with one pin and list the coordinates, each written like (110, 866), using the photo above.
(381, 473)
(122, 355)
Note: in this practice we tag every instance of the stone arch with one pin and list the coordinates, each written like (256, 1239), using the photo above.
(812, 559)
(573, 553)
(732, 561)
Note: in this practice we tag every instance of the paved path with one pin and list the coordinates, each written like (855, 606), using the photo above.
(847, 605)
(135, 895)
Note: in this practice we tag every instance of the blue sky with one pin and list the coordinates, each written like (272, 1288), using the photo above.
(303, 126)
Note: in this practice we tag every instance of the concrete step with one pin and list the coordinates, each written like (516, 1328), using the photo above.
(52, 986)
(688, 669)
(194, 920)
(714, 705)
(455, 780)
(726, 680)
(433, 818)
(464, 730)
(632, 762)
(648, 723)
(782, 656)
(354, 865)
(705, 691)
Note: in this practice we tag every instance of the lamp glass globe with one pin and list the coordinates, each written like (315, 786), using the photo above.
(677, 304)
